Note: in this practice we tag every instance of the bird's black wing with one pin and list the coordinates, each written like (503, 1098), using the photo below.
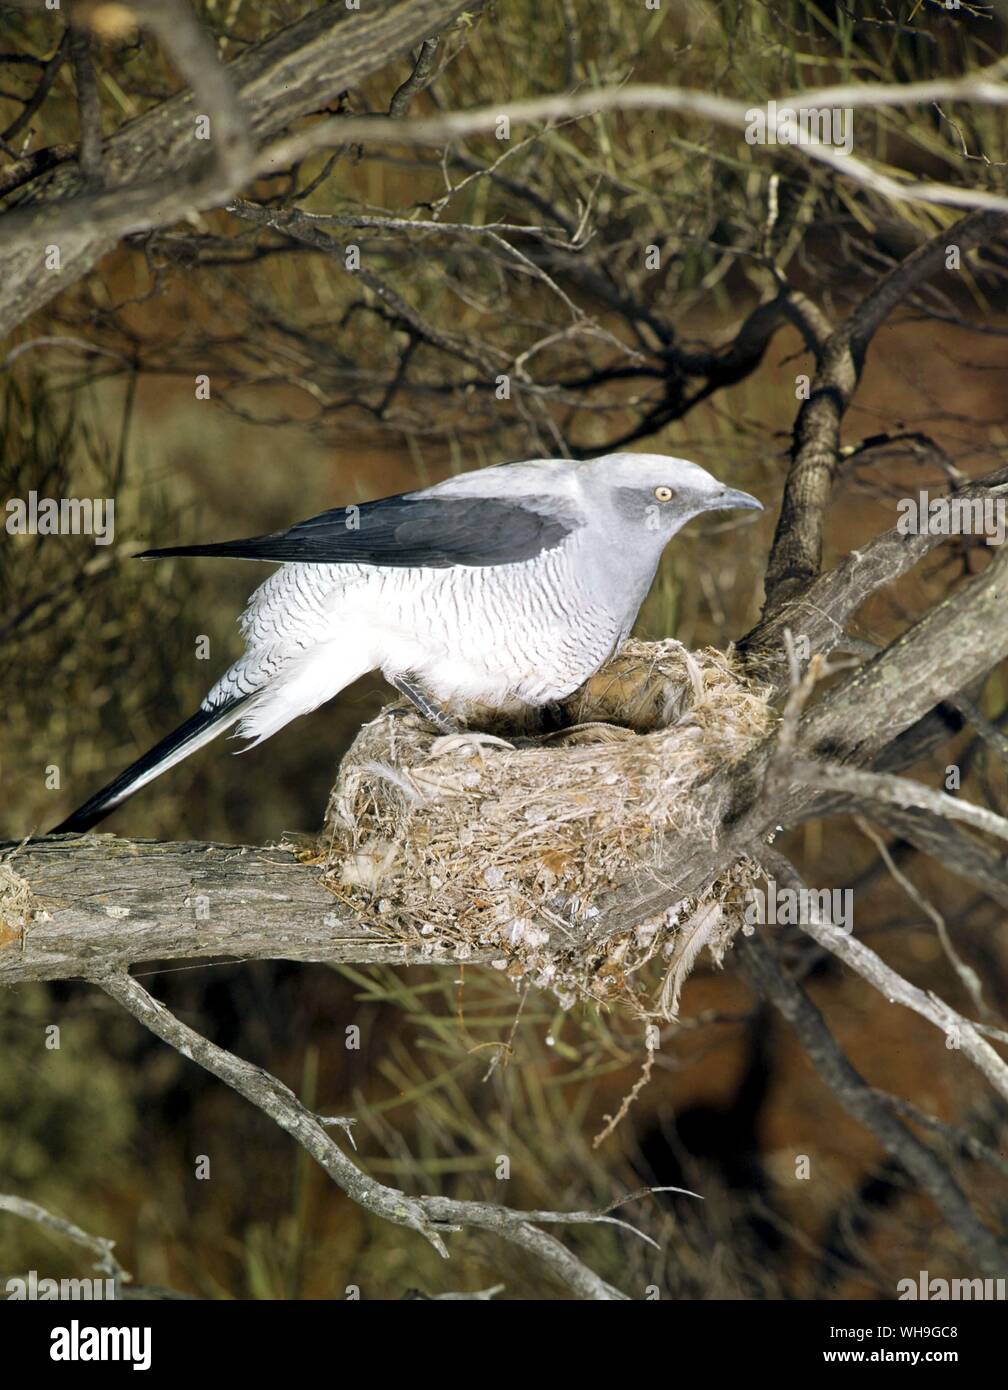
(411, 531)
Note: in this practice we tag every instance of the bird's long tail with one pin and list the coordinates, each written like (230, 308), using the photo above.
(204, 726)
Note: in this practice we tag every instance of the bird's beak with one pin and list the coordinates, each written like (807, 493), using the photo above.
(730, 500)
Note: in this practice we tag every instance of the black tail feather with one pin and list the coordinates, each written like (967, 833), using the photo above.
(236, 550)
(197, 730)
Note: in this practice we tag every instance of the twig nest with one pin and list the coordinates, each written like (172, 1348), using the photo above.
(470, 845)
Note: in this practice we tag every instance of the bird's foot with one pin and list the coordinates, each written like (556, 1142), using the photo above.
(423, 706)
(553, 718)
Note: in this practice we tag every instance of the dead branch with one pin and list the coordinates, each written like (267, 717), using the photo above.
(431, 1216)
(797, 549)
(99, 902)
(888, 982)
(287, 76)
(869, 787)
(820, 613)
(983, 87)
(758, 963)
(100, 1246)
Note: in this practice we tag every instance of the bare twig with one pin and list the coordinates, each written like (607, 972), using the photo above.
(858, 1099)
(419, 79)
(984, 87)
(895, 791)
(89, 151)
(48, 76)
(98, 1245)
(431, 1216)
(888, 982)
(966, 973)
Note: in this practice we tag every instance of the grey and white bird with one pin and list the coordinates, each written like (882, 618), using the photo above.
(501, 589)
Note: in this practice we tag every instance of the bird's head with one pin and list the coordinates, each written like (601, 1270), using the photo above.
(660, 493)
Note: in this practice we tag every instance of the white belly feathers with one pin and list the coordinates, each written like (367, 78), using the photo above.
(502, 636)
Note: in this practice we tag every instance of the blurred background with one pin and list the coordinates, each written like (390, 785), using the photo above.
(329, 386)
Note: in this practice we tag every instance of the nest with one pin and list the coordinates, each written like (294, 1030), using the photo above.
(18, 905)
(472, 846)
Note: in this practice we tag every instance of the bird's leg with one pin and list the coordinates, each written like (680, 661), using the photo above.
(430, 712)
(553, 718)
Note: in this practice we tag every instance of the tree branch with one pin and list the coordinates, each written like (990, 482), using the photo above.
(759, 965)
(984, 87)
(278, 81)
(868, 787)
(797, 549)
(97, 901)
(98, 1245)
(431, 1216)
(88, 104)
(821, 612)
(872, 968)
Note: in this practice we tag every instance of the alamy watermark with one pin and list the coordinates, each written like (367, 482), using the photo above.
(31, 1288)
(802, 125)
(77, 1343)
(62, 516)
(953, 516)
(796, 907)
(926, 1289)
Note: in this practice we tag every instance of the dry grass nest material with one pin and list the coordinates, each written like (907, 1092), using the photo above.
(468, 847)
(17, 904)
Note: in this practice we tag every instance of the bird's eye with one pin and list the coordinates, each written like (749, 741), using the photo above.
(664, 494)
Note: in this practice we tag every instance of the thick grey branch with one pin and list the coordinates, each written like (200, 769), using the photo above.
(98, 901)
(821, 612)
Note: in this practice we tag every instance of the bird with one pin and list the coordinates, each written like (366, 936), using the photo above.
(502, 589)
